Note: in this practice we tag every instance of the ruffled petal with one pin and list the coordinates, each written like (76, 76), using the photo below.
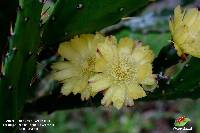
(98, 38)
(80, 45)
(100, 64)
(186, 31)
(64, 74)
(142, 55)
(179, 36)
(126, 46)
(192, 48)
(118, 97)
(62, 65)
(129, 101)
(66, 51)
(178, 16)
(135, 91)
(98, 83)
(85, 94)
(150, 79)
(67, 87)
(81, 84)
(142, 71)
(107, 99)
(195, 26)
(107, 49)
(190, 16)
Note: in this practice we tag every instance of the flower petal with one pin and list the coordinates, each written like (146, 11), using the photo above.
(192, 48)
(195, 26)
(107, 49)
(67, 88)
(179, 36)
(98, 82)
(98, 38)
(85, 94)
(80, 45)
(107, 99)
(135, 91)
(118, 97)
(185, 31)
(190, 16)
(64, 74)
(126, 46)
(100, 64)
(149, 80)
(61, 65)
(66, 51)
(142, 71)
(129, 101)
(142, 55)
(178, 16)
(81, 84)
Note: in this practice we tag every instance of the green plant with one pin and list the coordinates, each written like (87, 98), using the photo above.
(20, 63)
(18, 79)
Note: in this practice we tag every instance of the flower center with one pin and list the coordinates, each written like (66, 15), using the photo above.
(91, 62)
(88, 65)
(123, 70)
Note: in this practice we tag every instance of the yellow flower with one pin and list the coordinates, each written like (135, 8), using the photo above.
(79, 67)
(122, 71)
(185, 29)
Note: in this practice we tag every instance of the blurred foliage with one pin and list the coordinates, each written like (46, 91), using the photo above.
(186, 2)
(145, 117)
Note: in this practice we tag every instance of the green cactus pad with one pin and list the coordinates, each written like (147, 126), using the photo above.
(20, 63)
(71, 17)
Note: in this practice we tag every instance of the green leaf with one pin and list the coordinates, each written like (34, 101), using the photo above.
(71, 17)
(183, 123)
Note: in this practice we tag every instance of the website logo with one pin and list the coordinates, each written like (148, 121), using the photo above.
(181, 122)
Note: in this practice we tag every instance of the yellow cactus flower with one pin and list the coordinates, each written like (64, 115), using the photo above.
(79, 67)
(122, 69)
(185, 30)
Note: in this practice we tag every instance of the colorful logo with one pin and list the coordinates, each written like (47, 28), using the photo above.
(181, 121)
